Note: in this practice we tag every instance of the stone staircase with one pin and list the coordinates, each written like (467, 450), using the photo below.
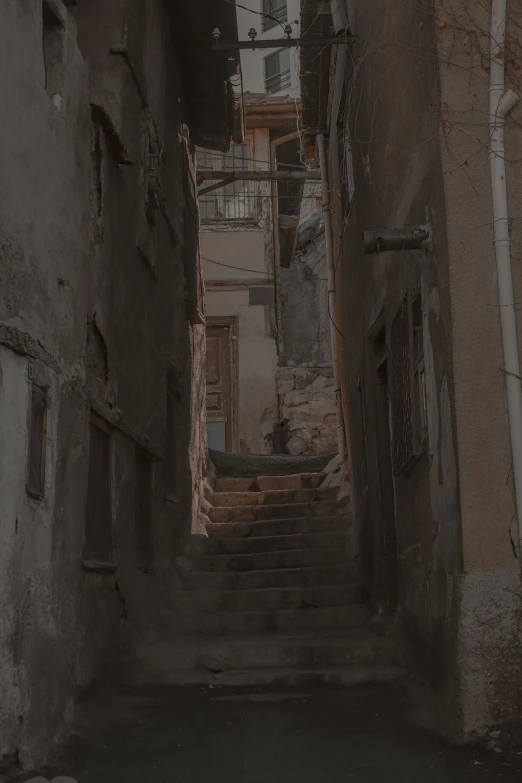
(273, 594)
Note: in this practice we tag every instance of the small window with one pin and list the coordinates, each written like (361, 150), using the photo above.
(419, 377)
(344, 150)
(37, 442)
(362, 415)
(275, 12)
(98, 528)
(170, 484)
(277, 71)
(143, 509)
(53, 43)
(408, 381)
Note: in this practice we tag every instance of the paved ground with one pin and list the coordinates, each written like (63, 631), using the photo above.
(325, 735)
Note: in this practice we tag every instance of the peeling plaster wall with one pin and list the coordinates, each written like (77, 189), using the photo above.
(99, 327)
(459, 611)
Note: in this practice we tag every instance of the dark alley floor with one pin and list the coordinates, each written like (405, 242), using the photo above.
(320, 735)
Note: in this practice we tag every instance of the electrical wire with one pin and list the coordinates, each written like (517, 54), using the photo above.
(240, 268)
(258, 13)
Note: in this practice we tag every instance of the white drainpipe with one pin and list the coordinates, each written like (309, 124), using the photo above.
(500, 104)
(341, 439)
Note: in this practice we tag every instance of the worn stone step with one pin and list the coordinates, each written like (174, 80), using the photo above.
(254, 580)
(346, 616)
(348, 676)
(267, 599)
(286, 511)
(329, 648)
(242, 546)
(297, 481)
(227, 484)
(273, 497)
(261, 561)
(276, 527)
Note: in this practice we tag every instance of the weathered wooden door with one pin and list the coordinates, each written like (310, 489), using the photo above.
(221, 385)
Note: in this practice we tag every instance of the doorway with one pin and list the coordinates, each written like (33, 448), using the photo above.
(221, 372)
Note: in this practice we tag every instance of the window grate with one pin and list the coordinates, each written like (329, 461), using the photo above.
(277, 71)
(277, 13)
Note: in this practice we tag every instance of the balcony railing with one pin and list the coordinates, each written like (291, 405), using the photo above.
(278, 82)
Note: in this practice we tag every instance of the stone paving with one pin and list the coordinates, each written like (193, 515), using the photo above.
(322, 734)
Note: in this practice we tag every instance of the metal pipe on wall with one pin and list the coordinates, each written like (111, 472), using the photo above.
(341, 437)
(500, 104)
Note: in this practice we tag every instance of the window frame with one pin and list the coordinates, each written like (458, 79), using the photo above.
(287, 72)
(145, 555)
(102, 563)
(409, 404)
(37, 492)
(267, 7)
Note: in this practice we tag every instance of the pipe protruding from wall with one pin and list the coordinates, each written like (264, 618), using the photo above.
(501, 102)
(389, 239)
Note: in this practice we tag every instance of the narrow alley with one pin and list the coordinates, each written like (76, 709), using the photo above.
(260, 391)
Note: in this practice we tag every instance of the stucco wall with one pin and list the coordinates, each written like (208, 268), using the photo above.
(419, 143)
(84, 314)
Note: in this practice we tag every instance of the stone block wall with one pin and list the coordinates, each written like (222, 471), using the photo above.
(307, 409)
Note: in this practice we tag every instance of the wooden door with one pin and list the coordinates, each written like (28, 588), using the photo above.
(221, 386)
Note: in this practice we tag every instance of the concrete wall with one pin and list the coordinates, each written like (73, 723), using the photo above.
(419, 142)
(90, 319)
(252, 62)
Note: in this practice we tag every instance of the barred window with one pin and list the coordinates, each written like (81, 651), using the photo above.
(344, 150)
(277, 71)
(37, 442)
(143, 509)
(276, 11)
(235, 200)
(98, 523)
(408, 381)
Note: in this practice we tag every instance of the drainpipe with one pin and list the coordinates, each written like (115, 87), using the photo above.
(500, 104)
(341, 440)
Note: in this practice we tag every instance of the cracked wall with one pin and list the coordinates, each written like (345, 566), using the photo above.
(100, 327)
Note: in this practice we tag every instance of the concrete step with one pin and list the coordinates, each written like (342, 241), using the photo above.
(349, 676)
(262, 561)
(347, 616)
(276, 527)
(330, 648)
(273, 497)
(254, 580)
(243, 546)
(267, 599)
(286, 511)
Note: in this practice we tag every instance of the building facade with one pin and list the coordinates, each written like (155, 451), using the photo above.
(102, 420)
(420, 338)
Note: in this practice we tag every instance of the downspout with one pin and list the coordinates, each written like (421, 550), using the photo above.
(341, 439)
(500, 104)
